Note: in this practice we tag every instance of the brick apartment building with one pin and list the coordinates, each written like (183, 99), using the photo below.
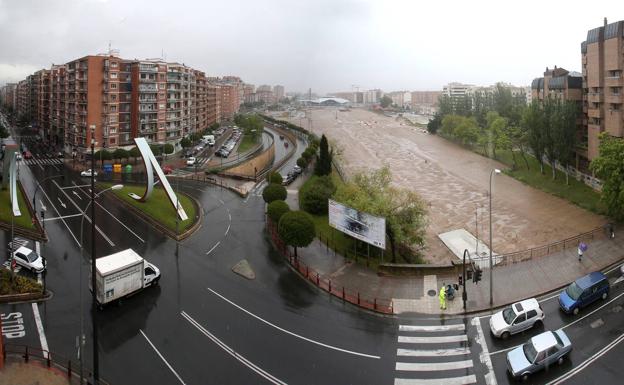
(603, 83)
(116, 100)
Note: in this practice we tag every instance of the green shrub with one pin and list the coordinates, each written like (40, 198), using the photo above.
(274, 177)
(313, 196)
(302, 162)
(274, 192)
(19, 284)
(276, 209)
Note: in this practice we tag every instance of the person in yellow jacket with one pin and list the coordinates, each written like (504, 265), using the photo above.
(443, 297)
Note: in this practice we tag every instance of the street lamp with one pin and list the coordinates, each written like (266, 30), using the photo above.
(37, 190)
(494, 171)
(81, 338)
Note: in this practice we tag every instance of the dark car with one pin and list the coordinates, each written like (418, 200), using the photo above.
(584, 291)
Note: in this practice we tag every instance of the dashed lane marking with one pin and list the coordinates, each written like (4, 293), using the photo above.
(42, 337)
(163, 358)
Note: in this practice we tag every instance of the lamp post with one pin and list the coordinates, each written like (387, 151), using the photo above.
(494, 171)
(96, 363)
(464, 293)
(81, 338)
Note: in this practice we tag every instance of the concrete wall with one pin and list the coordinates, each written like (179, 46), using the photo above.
(256, 164)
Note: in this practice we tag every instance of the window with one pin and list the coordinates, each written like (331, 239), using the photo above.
(113, 86)
(161, 86)
(531, 314)
(113, 108)
(113, 98)
(552, 351)
(113, 75)
(161, 106)
(161, 95)
(161, 77)
(520, 318)
(114, 64)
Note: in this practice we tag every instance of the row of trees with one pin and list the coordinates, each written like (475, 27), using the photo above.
(120, 153)
(502, 122)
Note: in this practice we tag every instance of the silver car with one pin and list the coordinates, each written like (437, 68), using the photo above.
(516, 318)
(538, 353)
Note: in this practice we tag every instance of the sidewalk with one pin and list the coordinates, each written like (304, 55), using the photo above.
(511, 283)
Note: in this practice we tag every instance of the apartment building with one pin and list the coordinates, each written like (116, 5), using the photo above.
(603, 83)
(278, 92)
(115, 100)
(425, 102)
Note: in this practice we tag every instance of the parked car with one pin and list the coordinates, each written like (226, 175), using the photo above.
(88, 173)
(584, 291)
(18, 156)
(28, 259)
(167, 170)
(518, 317)
(27, 155)
(538, 353)
(297, 170)
(60, 155)
(191, 161)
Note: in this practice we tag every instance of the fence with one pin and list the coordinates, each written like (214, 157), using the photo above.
(542, 251)
(51, 360)
(380, 305)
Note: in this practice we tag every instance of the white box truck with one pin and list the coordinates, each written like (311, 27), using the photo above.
(121, 274)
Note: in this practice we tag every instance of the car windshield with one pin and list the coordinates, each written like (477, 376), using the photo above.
(529, 352)
(32, 257)
(574, 291)
(509, 315)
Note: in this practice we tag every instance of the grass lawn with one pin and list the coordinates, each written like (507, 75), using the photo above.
(247, 142)
(576, 192)
(25, 220)
(158, 206)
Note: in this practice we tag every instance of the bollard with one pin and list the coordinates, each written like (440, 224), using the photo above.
(330, 285)
(375, 304)
(343, 293)
(48, 358)
(307, 271)
(26, 355)
(317, 279)
(358, 297)
(69, 371)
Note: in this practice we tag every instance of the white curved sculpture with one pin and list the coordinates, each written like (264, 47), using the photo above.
(13, 185)
(151, 165)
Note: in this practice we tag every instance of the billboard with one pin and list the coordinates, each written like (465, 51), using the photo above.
(359, 225)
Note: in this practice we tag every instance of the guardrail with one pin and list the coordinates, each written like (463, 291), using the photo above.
(51, 360)
(542, 251)
(380, 305)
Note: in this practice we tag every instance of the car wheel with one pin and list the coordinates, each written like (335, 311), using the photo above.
(575, 311)
(505, 335)
(525, 376)
(560, 361)
(604, 296)
(538, 324)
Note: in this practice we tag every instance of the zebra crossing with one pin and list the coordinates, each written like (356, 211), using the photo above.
(434, 355)
(42, 161)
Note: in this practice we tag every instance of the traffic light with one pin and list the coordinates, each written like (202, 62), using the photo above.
(477, 276)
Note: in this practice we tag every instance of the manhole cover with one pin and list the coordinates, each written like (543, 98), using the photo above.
(431, 293)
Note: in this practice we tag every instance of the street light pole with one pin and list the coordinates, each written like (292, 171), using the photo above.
(464, 293)
(96, 363)
(497, 171)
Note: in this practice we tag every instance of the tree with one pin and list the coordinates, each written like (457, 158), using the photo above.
(302, 162)
(467, 131)
(324, 161)
(296, 228)
(274, 177)
(168, 148)
(276, 209)
(552, 127)
(314, 194)
(156, 149)
(495, 130)
(566, 134)
(533, 123)
(135, 153)
(609, 167)
(274, 192)
(186, 143)
(449, 124)
(385, 101)
(120, 154)
(405, 212)
(434, 124)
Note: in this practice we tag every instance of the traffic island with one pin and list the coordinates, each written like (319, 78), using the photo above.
(16, 288)
(25, 225)
(158, 211)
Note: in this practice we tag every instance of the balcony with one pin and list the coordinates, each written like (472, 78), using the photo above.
(147, 80)
(148, 88)
(595, 97)
(148, 68)
(614, 98)
(148, 100)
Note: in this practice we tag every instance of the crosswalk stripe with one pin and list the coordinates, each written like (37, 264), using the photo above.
(433, 366)
(471, 379)
(432, 352)
(433, 328)
(432, 340)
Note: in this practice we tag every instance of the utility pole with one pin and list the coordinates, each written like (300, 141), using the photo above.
(96, 364)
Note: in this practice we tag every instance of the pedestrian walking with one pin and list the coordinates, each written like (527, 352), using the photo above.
(611, 230)
(443, 297)
(582, 247)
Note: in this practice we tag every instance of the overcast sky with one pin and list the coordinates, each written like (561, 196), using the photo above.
(328, 45)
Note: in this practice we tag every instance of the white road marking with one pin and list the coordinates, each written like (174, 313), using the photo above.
(75, 186)
(120, 222)
(221, 200)
(227, 230)
(433, 366)
(432, 340)
(433, 352)
(76, 194)
(61, 202)
(588, 361)
(432, 328)
(42, 337)
(618, 280)
(162, 358)
(291, 333)
(229, 216)
(472, 379)
(60, 217)
(213, 247)
(269, 377)
(484, 356)
(63, 217)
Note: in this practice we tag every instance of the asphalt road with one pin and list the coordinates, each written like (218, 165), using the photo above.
(206, 325)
